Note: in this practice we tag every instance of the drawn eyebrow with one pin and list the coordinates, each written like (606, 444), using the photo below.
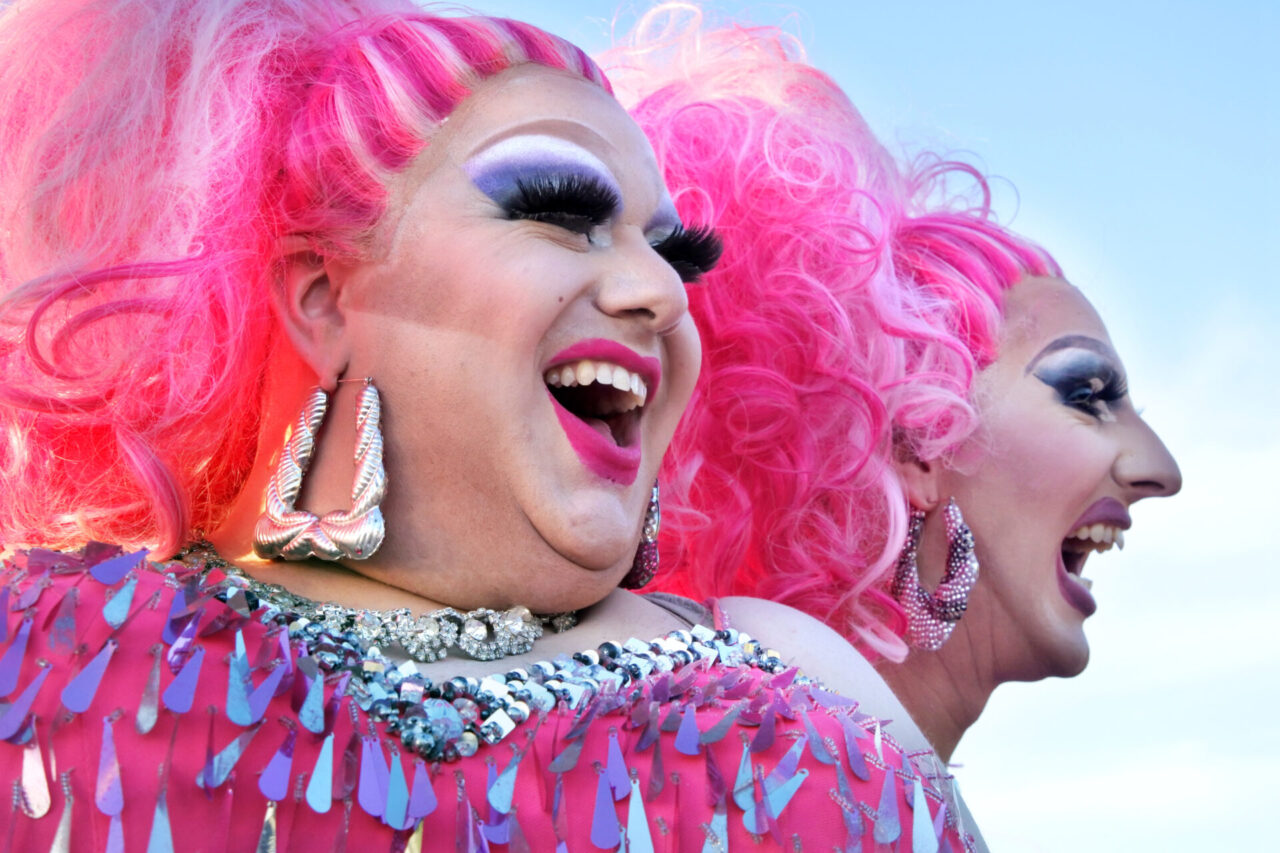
(1072, 342)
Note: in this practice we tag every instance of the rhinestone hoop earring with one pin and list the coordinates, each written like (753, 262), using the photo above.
(293, 534)
(645, 565)
(931, 617)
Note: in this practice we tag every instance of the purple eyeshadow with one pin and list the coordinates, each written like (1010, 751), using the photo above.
(498, 171)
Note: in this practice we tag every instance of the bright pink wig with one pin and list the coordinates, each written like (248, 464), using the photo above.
(845, 322)
(154, 156)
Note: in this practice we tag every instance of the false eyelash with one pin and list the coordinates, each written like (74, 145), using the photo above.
(572, 201)
(1114, 389)
(692, 252)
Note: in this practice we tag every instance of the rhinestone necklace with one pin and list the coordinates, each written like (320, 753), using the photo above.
(449, 719)
(482, 634)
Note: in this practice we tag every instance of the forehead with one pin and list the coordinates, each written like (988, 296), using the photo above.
(1039, 310)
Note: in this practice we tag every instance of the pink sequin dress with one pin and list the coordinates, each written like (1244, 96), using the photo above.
(163, 707)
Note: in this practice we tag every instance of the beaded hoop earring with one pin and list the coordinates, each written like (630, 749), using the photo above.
(645, 565)
(931, 617)
(293, 534)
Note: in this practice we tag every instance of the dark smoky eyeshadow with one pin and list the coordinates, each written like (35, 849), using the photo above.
(1072, 370)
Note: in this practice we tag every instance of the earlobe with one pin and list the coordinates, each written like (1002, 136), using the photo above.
(308, 304)
(919, 478)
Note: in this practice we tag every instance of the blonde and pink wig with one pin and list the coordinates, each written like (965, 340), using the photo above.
(155, 155)
(854, 303)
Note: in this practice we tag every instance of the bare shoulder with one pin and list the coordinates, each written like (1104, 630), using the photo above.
(806, 642)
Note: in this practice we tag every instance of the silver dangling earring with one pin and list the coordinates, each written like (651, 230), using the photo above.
(293, 534)
(931, 617)
(645, 565)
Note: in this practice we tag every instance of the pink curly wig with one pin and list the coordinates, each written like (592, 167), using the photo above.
(154, 156)
(844, 323)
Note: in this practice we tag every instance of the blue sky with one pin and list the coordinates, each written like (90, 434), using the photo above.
(1139, 143)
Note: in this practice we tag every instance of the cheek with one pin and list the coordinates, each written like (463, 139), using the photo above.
(684, 347)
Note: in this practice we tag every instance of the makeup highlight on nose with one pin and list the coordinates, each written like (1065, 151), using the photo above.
(499, 170)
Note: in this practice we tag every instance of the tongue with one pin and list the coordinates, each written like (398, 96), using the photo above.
(599, 426)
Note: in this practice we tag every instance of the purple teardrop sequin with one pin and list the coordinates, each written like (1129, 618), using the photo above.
(616, 769)
(857, 763)
(372, 794)
(817, 746)
(764, 737)
(888, 827)
(604, 819)
(422, 801)
(716, 786)
(28, 597)
(108, 795)
(63, 637)
(180, 693)
(111, 572)
(688, 737)
(11, 663)
(786, 766)
(13, 720)
(274, 781)
(79, 692)
(657, 776)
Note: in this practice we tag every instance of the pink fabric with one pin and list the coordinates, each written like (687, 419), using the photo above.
(231, 818)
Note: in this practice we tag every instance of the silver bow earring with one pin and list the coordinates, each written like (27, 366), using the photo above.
(931, 617)
(645, 565)
(293, 534)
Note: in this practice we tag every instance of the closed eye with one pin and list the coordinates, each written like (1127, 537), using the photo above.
(691, 252)
(573, 201)
(1084, 381)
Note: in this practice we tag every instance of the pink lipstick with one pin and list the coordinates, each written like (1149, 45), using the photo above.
(609, 450)
(1107, 511)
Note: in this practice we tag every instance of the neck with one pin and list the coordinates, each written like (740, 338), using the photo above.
(944, 691)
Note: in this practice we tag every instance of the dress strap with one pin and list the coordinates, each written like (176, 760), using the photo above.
(686, 610)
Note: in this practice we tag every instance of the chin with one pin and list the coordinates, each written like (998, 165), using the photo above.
(1066, 658)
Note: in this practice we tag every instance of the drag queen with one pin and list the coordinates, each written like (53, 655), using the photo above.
(358, 334)
(908, 423)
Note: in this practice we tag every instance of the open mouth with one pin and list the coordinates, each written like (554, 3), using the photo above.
(1084, 541)
(605, 396)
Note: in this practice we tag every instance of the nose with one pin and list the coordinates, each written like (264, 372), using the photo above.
(1145, 467)
(638, 284)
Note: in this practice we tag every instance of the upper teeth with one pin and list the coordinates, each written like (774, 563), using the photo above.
(586, 372)
(1100, 536)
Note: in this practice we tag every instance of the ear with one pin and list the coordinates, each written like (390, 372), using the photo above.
(310, 309)
(919, 478)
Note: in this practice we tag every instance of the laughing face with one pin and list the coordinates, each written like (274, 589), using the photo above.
(525, 321)
(1060, 456)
